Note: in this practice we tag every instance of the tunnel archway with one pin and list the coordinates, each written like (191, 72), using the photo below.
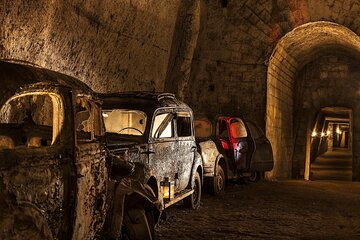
(330, 145)
(294, 51)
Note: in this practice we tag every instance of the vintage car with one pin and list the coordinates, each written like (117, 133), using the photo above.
(231, 148)
(155, 131)
(56, 179)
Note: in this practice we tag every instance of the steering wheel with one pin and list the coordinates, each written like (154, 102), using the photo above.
(132, 128)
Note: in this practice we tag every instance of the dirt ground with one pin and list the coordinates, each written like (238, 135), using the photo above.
(270, 210)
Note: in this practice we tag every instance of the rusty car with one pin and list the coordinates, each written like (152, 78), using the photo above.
(232, 149)
(57, 180)
(155, 131)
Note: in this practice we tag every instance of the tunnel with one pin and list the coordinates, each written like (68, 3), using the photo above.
(181, 119)
(308, 71)
(331, 145)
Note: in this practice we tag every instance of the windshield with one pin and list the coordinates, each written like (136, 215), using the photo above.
(32, 120)
(124, 121)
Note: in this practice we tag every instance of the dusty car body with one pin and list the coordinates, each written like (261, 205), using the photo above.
(156, 132)
(56, 180)
(231, 148)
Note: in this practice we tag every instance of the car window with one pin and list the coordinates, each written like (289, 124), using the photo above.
(237, 128)
(88, 124)
(222, 129)
(254, 130)
(203, 128)
(163, 126)
(183, 124)
(31, 120)
(125, 121)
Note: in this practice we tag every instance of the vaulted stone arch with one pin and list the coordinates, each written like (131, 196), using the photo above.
(297, 48)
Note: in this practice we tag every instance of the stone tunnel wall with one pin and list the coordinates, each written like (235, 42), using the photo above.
(229, 71)
(328, 81)
(110, 45)
(212, 53)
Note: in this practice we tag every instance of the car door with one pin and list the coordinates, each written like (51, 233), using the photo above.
(162, 146)
(222, 137)
(239, 142)
(262, 159)
(92, 174)
(186, 148)
(36, 154)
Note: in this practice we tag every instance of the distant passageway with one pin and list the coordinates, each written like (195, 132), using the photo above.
(333, 165)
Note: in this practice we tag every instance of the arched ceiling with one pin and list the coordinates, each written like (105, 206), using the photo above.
(297, 48)
(310, 40)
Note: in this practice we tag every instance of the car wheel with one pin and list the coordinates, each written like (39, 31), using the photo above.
(136, 225)
(217, 183)
(150, 214)
(193, 201)
(254, 177)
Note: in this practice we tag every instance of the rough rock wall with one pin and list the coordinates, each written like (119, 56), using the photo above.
(110, 45)
(212, 53)
(230, 64)
(328, 81)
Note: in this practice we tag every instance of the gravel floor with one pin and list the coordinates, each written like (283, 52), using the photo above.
(270, 210)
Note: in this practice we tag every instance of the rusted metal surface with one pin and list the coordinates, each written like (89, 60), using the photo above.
(55, 177)
(157, 158)
(33, 184)
(92, 178)
(210, 155)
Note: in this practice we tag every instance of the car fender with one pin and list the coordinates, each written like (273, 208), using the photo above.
(210, 156)
(27, 213)
(129, 193)
(196, 164)
(219, 157)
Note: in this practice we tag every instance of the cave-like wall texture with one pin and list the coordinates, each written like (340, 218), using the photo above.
(214, 54)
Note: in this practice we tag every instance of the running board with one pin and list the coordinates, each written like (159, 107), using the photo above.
(179, 198)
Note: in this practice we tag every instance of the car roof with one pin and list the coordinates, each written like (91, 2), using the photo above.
(214, 117)
(141, 100)
(17, 75)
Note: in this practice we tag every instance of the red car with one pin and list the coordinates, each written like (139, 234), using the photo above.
(231, 148)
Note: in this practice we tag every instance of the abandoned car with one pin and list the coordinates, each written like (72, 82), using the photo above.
(156, 132)
(231, 148)
(56, 179)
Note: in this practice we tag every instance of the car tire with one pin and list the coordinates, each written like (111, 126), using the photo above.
(136, 225)
(216, 185)
(193, 201)
(255, 176)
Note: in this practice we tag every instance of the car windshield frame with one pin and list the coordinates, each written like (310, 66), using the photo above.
(131, 130)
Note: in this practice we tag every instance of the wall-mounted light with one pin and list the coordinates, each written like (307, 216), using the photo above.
(322, 134)
(338, 131)
(313, 134)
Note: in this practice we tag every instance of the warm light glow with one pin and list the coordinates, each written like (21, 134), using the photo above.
(338, 130)
(328, 132)
(168, 189)
(105, 115)
(322, 134)
(313, 134)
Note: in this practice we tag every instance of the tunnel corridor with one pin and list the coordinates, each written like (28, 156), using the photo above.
(290, 67)
(333, 165)
(313, 67)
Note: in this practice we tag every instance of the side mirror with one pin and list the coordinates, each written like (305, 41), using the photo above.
(121, 168)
